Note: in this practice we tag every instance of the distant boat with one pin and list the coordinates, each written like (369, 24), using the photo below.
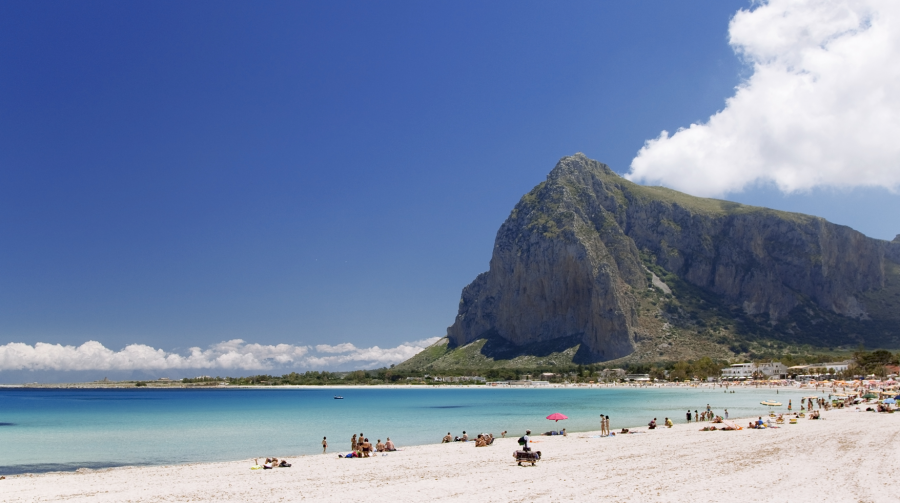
(338, 397)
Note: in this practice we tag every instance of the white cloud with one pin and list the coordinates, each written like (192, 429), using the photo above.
(338, 348)
(372, 356)
(821, 108)
(233, 354)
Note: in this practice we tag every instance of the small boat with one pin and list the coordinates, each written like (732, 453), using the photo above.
(338, 397)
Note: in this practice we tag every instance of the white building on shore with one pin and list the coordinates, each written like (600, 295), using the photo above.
(821, 368)
(747, 370)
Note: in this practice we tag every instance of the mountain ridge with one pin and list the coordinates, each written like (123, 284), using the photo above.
(579, 253)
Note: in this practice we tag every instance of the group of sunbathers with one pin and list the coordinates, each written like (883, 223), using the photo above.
(270, 463)
(482, 440)
(560, 432)
(362, 448)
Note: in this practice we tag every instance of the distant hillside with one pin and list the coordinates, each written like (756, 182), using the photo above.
(590, 267)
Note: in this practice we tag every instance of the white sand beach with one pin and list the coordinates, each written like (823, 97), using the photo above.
(849, 456)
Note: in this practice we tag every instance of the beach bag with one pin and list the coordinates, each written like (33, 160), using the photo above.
(522, 440)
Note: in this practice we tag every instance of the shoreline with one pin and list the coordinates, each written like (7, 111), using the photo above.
(848, 456)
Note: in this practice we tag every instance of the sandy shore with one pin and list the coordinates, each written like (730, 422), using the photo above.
(850, 456)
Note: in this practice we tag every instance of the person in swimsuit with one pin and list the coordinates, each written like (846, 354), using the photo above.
(688, 415)
(353, 443)
(324, 444)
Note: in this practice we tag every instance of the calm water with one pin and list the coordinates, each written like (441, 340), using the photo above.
(48, 430)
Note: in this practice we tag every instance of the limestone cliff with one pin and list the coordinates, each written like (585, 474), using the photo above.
(571, 259)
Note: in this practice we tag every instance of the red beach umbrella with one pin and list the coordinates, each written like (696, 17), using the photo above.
(556, 416)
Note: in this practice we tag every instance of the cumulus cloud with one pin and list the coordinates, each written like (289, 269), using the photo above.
(820, 109)
(233, 354)
(373, 356)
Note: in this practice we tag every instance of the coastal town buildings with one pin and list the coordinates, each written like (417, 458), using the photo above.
(751, 370)
(829, 368)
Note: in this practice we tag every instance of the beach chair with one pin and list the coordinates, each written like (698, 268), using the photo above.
(527, 457)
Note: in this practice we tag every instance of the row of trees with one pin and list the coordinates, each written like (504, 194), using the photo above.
(864, 363)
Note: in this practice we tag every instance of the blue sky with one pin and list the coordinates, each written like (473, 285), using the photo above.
(178, 174)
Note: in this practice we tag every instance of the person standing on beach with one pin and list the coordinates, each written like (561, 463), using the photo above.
(688, 415)
(353, 443)
(607, 425)
(726, 413)
(324, 444)
(696, 416)
(525, 438)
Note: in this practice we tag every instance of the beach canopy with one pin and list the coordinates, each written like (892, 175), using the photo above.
(870, 395)
(890, 400)
(556, 416)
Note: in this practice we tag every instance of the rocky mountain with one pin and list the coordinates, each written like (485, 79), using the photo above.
(610, 269)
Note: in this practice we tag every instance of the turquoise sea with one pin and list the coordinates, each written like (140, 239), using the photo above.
(64, 429)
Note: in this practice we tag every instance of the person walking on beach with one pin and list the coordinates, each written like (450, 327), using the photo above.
(688, 415)
(324, 444)
(525, 441)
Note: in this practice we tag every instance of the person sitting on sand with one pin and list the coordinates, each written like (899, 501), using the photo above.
(480, 441)
(564, 433)
(464, 437)
(389, 446)
(379, 446)
(268, 464)
(669, 423)
(447, 439)
(652, 424)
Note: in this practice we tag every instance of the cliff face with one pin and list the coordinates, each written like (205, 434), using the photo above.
(570, 259)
